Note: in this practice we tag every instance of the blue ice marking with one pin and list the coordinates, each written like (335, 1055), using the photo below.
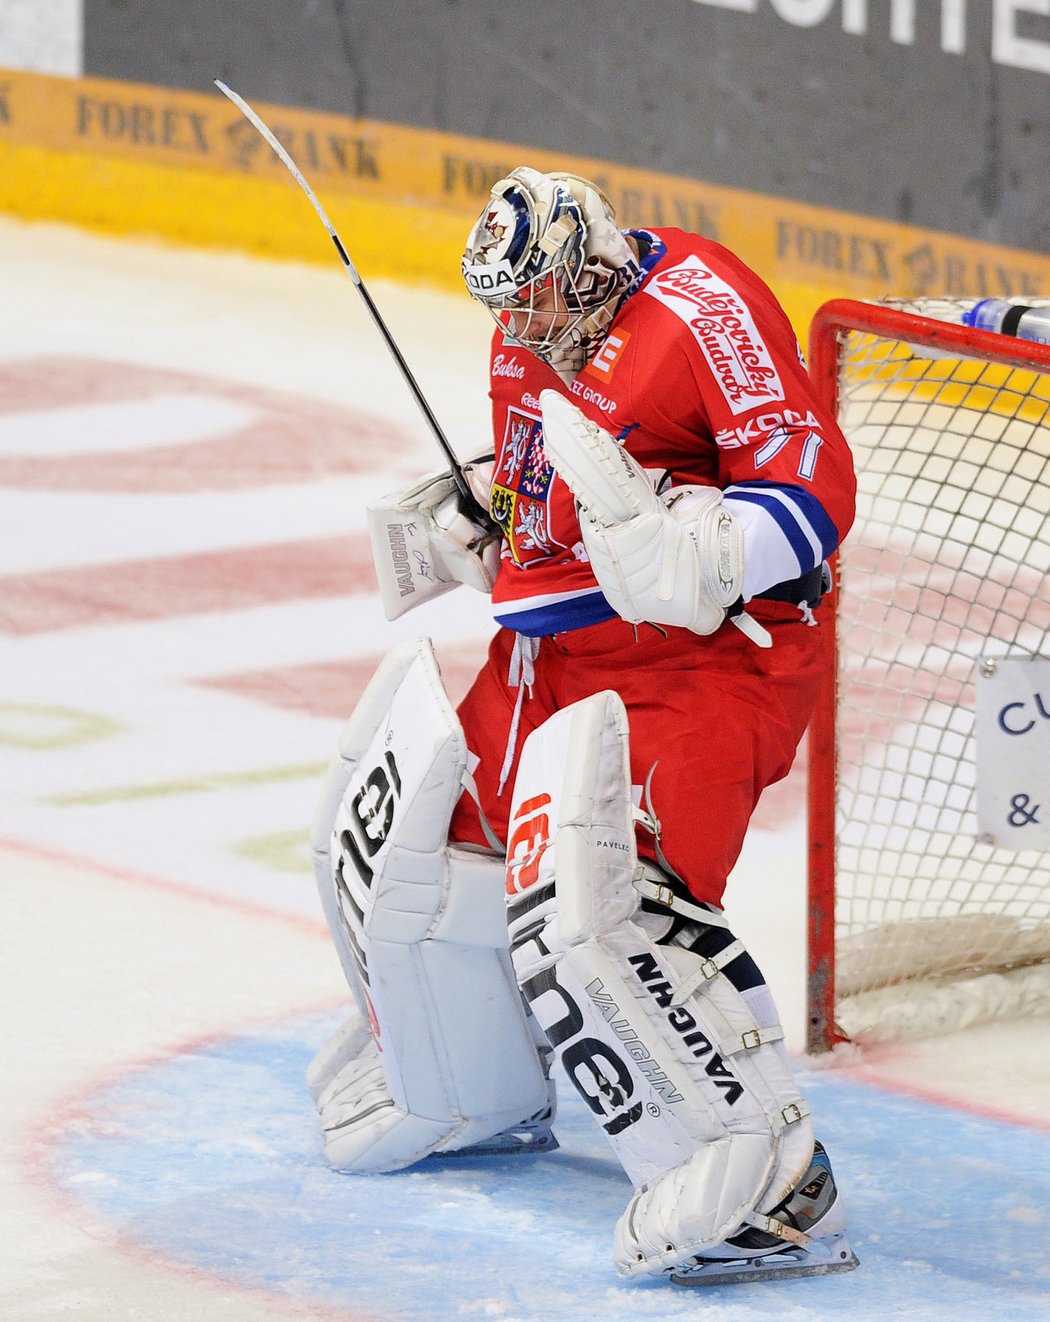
(214, 1158)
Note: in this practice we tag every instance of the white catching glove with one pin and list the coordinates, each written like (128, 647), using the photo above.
(424, 543)
(676, 559)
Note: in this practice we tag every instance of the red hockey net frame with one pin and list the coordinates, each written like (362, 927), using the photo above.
(837, 327)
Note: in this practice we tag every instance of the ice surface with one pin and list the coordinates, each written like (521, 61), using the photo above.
(186, 444)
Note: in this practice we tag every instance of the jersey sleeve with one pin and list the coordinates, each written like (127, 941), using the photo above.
(782, 461)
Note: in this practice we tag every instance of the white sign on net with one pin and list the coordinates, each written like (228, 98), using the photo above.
(1013, 751)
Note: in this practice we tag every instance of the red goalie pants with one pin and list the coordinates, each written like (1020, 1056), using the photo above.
(718, 717)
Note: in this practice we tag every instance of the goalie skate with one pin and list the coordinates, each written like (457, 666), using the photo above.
(807, 1237)
(532, 1135)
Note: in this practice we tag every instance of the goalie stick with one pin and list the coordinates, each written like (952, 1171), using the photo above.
(472, 503)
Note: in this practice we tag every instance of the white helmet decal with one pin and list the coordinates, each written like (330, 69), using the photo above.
(487, 280)
(547, 259)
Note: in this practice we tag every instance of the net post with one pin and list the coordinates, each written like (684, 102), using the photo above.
(906, 947)
(821, 774)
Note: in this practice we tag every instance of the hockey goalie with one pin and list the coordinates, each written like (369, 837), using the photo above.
(531, 886)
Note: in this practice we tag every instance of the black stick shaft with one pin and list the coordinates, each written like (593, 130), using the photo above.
(351, 270)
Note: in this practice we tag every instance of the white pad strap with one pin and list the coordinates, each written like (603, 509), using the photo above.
(421, 930)
(780, 1229)
(660, 893)
(708, 968)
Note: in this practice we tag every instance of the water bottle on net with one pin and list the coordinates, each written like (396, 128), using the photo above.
(1027, 321)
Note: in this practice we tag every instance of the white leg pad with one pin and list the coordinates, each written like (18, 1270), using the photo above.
(697, 1204)
(439, 1054)
(364, 1129)
(694, 1098)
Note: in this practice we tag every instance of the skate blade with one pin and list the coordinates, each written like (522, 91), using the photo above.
(513, 1143)
(591, 463)
(781, 1265)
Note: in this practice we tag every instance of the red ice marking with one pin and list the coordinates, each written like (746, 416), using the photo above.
(36, 1148)
(135, 590)
(290, 438)
(867, 1072)
(186, 890)
(332, 688)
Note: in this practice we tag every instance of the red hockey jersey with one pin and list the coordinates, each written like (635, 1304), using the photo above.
(700, 377)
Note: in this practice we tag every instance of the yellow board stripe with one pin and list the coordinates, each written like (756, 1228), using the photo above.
(135, 159)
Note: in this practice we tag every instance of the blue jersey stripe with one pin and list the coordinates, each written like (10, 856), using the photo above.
(799, 510)
(558, 616)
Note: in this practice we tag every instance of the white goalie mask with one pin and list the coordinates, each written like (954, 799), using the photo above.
(548, 260)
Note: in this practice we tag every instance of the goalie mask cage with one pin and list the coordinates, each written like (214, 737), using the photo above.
(917, 925)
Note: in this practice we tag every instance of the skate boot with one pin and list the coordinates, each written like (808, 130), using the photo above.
(805, 1235)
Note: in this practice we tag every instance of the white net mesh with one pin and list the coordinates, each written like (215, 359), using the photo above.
(949, 561)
